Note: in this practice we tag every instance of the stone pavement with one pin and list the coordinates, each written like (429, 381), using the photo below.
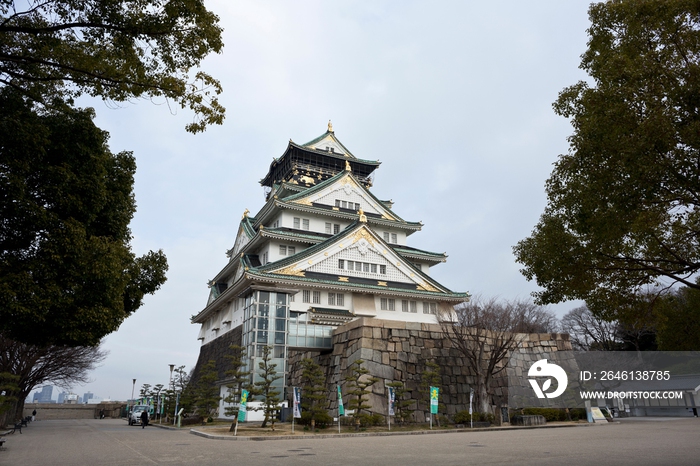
(97, 442)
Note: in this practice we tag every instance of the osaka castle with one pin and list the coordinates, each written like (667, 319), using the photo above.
(321, 252)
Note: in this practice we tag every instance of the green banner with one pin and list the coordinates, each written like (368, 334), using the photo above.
(243, 406)
(434, 392)
(341, 409)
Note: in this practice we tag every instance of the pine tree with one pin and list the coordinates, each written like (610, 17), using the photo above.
(266, 389)
(313, 391)
(359, 383)
(238, 379)
(206, 392)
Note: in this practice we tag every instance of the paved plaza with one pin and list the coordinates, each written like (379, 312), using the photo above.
(660, 441)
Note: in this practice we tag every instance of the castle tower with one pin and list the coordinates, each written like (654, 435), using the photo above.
(321, 252)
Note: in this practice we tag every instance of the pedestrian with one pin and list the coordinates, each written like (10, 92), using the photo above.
(144, 418)
(34, 415)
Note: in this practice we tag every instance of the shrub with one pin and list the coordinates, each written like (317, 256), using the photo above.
(463, 417)
(191, 420)
(369, 420)
(323, 420)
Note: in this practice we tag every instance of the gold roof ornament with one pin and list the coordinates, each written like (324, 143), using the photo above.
(330, 126)
(348, 168)
(245, 214)
(363, 217)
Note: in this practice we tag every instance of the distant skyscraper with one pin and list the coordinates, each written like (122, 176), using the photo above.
(45, 395)
(61, 397)
(87, 396)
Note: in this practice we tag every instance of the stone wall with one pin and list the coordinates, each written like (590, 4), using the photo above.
(216, 350)
(51, 411)
(399, 351)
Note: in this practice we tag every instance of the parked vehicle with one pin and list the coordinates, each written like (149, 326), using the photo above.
(134, 417)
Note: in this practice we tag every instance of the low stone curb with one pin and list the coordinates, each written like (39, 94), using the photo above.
(374, 434)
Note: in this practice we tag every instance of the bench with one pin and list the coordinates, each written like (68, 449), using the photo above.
(2, 443)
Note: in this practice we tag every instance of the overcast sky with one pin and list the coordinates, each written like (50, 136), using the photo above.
(454, 98)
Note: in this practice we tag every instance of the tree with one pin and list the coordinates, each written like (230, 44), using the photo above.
(118, 50)
(313, 390)
(266, 388)
(359, 384)
(588, 332)
(485, 332)
(622, 208)
(67, 272)
(238, 379)
(206, 393)
(678, 317)
(31, 366)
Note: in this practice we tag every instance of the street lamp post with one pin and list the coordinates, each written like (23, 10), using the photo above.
(132, 396)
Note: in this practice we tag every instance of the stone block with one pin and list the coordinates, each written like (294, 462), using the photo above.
(413, 326)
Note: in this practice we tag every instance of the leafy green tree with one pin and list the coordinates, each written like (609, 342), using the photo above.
(67, 273)
(206, 392)
(313, 390)
(269, 394)
(238, 379)
(622, 210)
(679, 320)
(402, 402)
(359, 389)
(115, 49)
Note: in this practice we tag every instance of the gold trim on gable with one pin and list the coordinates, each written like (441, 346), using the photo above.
(382, 284)
(291, 270)
(362, 234)
(303, 202)
(426, 287)
(343, 279)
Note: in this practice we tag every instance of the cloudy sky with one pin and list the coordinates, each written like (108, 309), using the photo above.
(453, 97)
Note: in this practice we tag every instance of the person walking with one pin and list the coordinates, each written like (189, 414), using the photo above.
(144, 418)
(34, 415)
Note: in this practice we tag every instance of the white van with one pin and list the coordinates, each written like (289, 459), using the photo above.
(134, 417)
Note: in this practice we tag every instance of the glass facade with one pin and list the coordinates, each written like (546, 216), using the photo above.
(267, 322)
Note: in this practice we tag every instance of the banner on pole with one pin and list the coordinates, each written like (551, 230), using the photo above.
(471, 398)
(434, 391)
(341, 409)
(297, 402)
(392, 400)
(243, 405)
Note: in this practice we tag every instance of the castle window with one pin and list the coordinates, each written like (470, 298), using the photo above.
(317, 297)
(283, 250)
(305, 223)
(404, 305)
(394, 238)
(414, 307)
(429, 308)
(306, 296)
(387, 304)
(297, 222)
(329, 227)
(331, 299)
(382, 269)
(340, 299)
(341, 264)
(386, 236)
(336, 228)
